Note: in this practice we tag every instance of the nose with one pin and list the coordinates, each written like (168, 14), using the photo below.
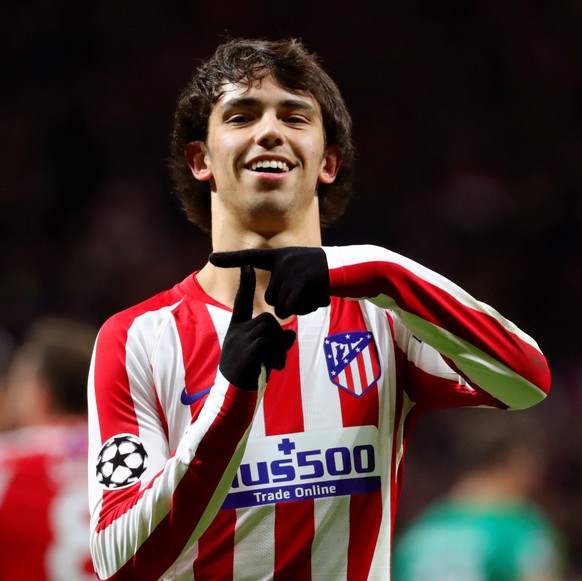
(269, 131)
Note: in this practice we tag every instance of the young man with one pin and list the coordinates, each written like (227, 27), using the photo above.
(43, 457)
(250, 423)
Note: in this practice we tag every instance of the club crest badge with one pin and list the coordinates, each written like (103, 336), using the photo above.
(352, 361)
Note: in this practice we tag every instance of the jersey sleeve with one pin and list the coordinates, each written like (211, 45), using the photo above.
(473, 339)
(150, 503)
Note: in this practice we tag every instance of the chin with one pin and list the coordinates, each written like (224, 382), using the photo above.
(271, 207)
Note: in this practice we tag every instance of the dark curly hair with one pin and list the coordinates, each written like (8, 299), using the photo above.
(245, 61)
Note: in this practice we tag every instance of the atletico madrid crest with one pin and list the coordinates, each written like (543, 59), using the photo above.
(352, 361)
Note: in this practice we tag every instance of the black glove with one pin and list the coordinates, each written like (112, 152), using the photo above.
(299, 276)
(250, 342)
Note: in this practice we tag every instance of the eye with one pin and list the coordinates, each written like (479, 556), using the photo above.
(296, 119)
(238, 119)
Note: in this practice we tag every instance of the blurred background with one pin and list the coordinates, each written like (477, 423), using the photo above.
(467, 119)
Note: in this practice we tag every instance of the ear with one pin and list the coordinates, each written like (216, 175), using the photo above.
(196, 155)
(332, 162)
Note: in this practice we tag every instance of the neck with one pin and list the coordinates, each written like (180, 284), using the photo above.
(237, 233)
(233, 230)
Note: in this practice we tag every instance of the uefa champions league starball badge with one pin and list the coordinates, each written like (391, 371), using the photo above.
(121, 461)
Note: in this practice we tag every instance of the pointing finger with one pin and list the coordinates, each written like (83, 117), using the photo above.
(263, 258)
(243, 302)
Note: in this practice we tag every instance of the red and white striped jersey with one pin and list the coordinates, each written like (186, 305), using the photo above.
(192, 478)
(44, 519)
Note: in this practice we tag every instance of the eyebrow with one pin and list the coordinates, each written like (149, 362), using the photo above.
(252, 102)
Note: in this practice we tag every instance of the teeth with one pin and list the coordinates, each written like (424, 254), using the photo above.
(270, 164)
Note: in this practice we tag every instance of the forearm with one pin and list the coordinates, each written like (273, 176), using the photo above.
(484, 347)
(138, 532)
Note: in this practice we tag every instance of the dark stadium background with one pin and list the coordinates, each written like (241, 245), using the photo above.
(467, 120)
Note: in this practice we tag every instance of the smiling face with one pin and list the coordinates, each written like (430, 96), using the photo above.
(264, 156)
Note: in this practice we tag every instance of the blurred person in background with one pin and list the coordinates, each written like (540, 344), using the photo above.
(250, 422)
(488, 527)
(44, 520)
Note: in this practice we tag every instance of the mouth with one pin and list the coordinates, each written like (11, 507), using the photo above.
(270, 166)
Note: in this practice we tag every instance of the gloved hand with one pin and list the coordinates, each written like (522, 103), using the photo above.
(251, 341)
(299, 276)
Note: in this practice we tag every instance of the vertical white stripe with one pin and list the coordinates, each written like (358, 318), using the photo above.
(388, 432)
(157, 347)
(332, 526)
(319, 396)
(169, 378)
(356, 379)
(342, 379)
(254, 556)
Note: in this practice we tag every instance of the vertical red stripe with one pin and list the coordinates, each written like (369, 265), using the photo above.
(294, 533)
(200, 349)
(365, 520)
(294, 521)
(282, 400)
(114, 402)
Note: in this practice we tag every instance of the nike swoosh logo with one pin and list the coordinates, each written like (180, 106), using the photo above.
(190, 398)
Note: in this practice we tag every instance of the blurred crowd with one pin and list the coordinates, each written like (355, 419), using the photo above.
(467, 119)
(44, 515)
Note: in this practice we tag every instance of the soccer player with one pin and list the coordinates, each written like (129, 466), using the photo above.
(44, 518)
(250, 422)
